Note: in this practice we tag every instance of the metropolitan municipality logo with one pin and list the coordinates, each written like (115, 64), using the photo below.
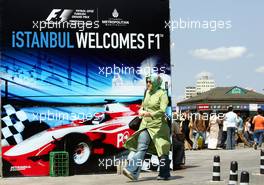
(115, 13)
(115, 19)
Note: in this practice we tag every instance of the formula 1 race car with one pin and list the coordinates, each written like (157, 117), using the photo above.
(102, 135)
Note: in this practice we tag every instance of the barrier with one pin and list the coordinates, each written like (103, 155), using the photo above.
(233, 173)
(244, 179)
(216, 168)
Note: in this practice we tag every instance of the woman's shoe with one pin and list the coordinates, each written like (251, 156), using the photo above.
(129, 175)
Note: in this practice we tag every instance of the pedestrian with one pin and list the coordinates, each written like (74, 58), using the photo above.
(224, 135)
(248, 134)
(178, 153)
(153, 135)
(185, 128)
(258, 122)
(231, 121)
(213, 128)
(199, 128)
(240, 128)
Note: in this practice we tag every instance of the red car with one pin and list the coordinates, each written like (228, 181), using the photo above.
(103, 135)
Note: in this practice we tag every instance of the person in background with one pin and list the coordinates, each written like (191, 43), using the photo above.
(224, 135)
(178, 153)
(213, 128)
(231, 121)
(200, 128)
(240, 124)
(240, 127)
(258, 122)
(240, 130)
(185, 128)
(248, 134)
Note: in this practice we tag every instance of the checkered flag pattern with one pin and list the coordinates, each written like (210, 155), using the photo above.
(13, 122)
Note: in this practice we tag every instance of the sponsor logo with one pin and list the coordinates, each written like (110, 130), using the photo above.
(115, 20)
(115, 14)
(19, 168)
(62, 15)
(202, 107)
(79, 19)
(59, 15)
(121, 138)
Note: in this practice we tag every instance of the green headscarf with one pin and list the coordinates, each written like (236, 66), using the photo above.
(156, 82)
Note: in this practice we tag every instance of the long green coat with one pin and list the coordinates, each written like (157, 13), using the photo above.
(156, 125)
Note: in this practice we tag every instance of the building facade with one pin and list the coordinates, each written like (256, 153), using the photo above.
(190, 92)
(204, 84)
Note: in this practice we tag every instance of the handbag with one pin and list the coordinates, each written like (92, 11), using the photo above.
(135, 123)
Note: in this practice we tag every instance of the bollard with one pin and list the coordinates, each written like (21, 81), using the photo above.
(261, 161)
(216, 168)
(233, 173)
(244, 179)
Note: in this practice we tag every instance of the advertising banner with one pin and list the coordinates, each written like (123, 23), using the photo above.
(73, 75)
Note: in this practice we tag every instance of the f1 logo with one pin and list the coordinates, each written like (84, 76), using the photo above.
(62, 16)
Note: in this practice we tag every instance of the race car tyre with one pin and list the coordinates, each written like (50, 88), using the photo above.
(81, 153)
(79, 149)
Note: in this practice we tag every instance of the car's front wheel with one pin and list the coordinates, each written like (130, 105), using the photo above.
(79, 149)
(81, 153)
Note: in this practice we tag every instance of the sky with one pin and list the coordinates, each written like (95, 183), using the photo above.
(232, 56)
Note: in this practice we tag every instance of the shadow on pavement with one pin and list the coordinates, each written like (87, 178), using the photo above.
(186, 167)
(155, 179)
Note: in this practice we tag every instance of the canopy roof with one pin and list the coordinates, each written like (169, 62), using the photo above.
(226, 95)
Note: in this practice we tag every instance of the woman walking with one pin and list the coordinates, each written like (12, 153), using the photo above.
(213, 127)
(153, 135)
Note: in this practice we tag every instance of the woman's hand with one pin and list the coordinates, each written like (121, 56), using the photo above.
(147, 114)
(141, 113)
(144, 114)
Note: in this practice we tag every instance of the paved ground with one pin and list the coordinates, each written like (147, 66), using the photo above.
(198, 171)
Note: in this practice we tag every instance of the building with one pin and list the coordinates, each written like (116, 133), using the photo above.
(204, 84)
(220, 98)
(190, 92)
